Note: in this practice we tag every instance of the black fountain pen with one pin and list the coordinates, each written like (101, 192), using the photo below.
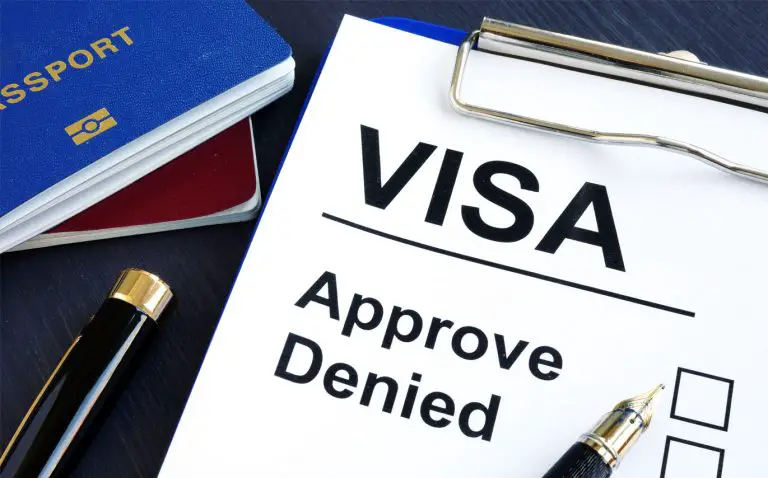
(597, 453)
(66, 407)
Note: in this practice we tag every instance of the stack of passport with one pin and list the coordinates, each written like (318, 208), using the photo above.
(96, 95)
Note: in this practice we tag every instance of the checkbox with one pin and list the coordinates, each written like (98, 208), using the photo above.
(686, 459)
(702, 399)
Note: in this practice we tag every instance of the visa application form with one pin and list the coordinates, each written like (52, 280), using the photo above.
(429, 294)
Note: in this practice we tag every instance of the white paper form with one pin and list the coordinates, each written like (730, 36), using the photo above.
(489, 292)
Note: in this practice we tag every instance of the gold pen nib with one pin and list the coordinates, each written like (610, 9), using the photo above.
(643, 404)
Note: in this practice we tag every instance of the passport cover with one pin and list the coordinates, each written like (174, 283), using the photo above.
(81, 79)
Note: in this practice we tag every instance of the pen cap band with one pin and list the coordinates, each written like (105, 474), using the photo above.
(143, 290)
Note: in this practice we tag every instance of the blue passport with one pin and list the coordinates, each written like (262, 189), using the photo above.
(94, 95)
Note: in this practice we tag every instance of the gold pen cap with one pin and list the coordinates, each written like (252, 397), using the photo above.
(618, 430)
(142, 290)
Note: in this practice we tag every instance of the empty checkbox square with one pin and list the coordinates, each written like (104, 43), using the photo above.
(687, 459)
(702, 399)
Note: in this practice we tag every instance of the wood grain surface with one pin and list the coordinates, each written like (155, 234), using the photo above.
(48, 294)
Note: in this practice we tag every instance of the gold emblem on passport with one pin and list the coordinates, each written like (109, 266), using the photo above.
(92, 125)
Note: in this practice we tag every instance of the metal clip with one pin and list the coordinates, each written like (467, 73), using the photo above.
(659, 70)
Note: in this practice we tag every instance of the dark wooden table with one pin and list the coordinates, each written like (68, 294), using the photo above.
(48, 294)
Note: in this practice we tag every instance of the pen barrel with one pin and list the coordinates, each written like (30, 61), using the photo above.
(580, 461)
(72, 396)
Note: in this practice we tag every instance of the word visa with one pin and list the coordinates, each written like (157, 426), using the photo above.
(381, 195)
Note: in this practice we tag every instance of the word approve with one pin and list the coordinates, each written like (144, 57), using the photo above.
(380, 195)
(406, 325)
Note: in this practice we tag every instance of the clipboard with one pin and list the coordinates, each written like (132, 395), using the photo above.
(343, 229)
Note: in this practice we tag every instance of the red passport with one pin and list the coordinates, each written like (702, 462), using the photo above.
(214, 183)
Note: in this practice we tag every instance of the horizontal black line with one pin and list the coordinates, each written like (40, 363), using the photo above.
(681, 370)
(699, 423)
(514, 270)
(697, 445)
